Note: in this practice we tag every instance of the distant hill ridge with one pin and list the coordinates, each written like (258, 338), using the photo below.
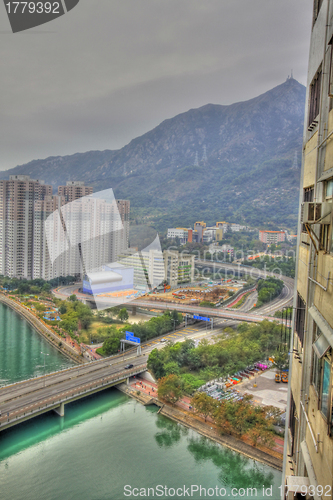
(235, 162)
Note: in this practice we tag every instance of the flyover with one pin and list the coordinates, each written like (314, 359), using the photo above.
(211, 312)
(285, 298)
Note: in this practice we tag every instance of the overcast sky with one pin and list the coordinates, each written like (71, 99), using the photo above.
(110, 70)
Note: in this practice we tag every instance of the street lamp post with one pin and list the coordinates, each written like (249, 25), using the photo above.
(44, 367)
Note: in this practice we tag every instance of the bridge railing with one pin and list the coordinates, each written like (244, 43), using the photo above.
(51, 402)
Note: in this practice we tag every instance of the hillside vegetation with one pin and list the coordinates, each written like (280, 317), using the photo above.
(216, 162)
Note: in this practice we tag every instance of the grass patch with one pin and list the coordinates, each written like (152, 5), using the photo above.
(100, 351)
(242, 300)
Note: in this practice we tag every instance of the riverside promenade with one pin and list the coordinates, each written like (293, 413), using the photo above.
(55, 340)
(145, 392)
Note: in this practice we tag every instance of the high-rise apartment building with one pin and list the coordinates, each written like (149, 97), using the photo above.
(308, 460)
(17, 198)
(81, 235)
(74, 190)
(42, 266)
(82, 232)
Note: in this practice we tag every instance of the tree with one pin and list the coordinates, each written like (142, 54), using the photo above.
(281, 360)
(155, 363)
(86, 321)
(171, 368)
(203, 404)
(176, 317)
(112, 343)
(39, 307)
(72, 298)
(46, 287)
(113, 311)
(123, 314)
(169, 388)
(63, 309)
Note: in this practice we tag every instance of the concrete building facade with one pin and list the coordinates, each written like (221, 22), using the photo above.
(179, 267)
(270, 237)
(83, 232)
(308, 458)
(74, 190)
(17, 199)
(148, 266)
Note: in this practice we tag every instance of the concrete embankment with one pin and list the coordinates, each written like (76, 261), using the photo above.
(40, 328)
(191, 421)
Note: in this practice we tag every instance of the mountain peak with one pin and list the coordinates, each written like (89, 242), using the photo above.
(231, 161)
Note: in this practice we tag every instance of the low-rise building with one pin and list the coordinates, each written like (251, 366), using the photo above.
(181, 233)
(209, 234)
(270, 237)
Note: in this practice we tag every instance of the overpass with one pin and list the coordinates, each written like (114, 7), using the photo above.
(238, 271)
(28, 399)
(211, 312)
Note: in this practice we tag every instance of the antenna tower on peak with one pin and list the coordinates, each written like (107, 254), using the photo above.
(204, 155)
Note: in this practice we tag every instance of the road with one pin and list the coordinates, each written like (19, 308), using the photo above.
(21, 398)
(31, 397)
(241, 313)
(227, 313)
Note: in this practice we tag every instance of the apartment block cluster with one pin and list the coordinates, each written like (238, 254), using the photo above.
(201, 233)
(80, 235)
(308, 460)
(153, 267)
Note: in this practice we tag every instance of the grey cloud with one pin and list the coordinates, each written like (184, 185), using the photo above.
(111, 70)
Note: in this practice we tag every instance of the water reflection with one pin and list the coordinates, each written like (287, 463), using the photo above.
(171, 432)
(234, 468)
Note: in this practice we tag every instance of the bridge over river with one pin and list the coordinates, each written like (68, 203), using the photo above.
(27, 399)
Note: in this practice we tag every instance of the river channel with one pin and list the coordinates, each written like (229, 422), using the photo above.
(108, 446)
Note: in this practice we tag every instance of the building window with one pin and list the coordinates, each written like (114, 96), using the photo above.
(300, 318)
(324, 237)
(325, 387)
(314, 97)
(316, 362)
(292, 423)
(308, 194)
(329, 189)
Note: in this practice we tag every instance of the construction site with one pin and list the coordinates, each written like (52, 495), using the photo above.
(192, 295)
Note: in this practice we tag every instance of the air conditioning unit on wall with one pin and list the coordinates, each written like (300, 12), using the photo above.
(296, 487)
(316, 213)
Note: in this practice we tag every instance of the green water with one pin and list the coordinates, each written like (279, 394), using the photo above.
(107, 442)
(20, 350)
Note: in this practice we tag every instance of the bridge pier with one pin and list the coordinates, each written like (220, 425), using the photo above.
(60, 410)
(134, 310)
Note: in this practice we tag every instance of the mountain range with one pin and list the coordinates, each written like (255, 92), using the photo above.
(239, 163)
